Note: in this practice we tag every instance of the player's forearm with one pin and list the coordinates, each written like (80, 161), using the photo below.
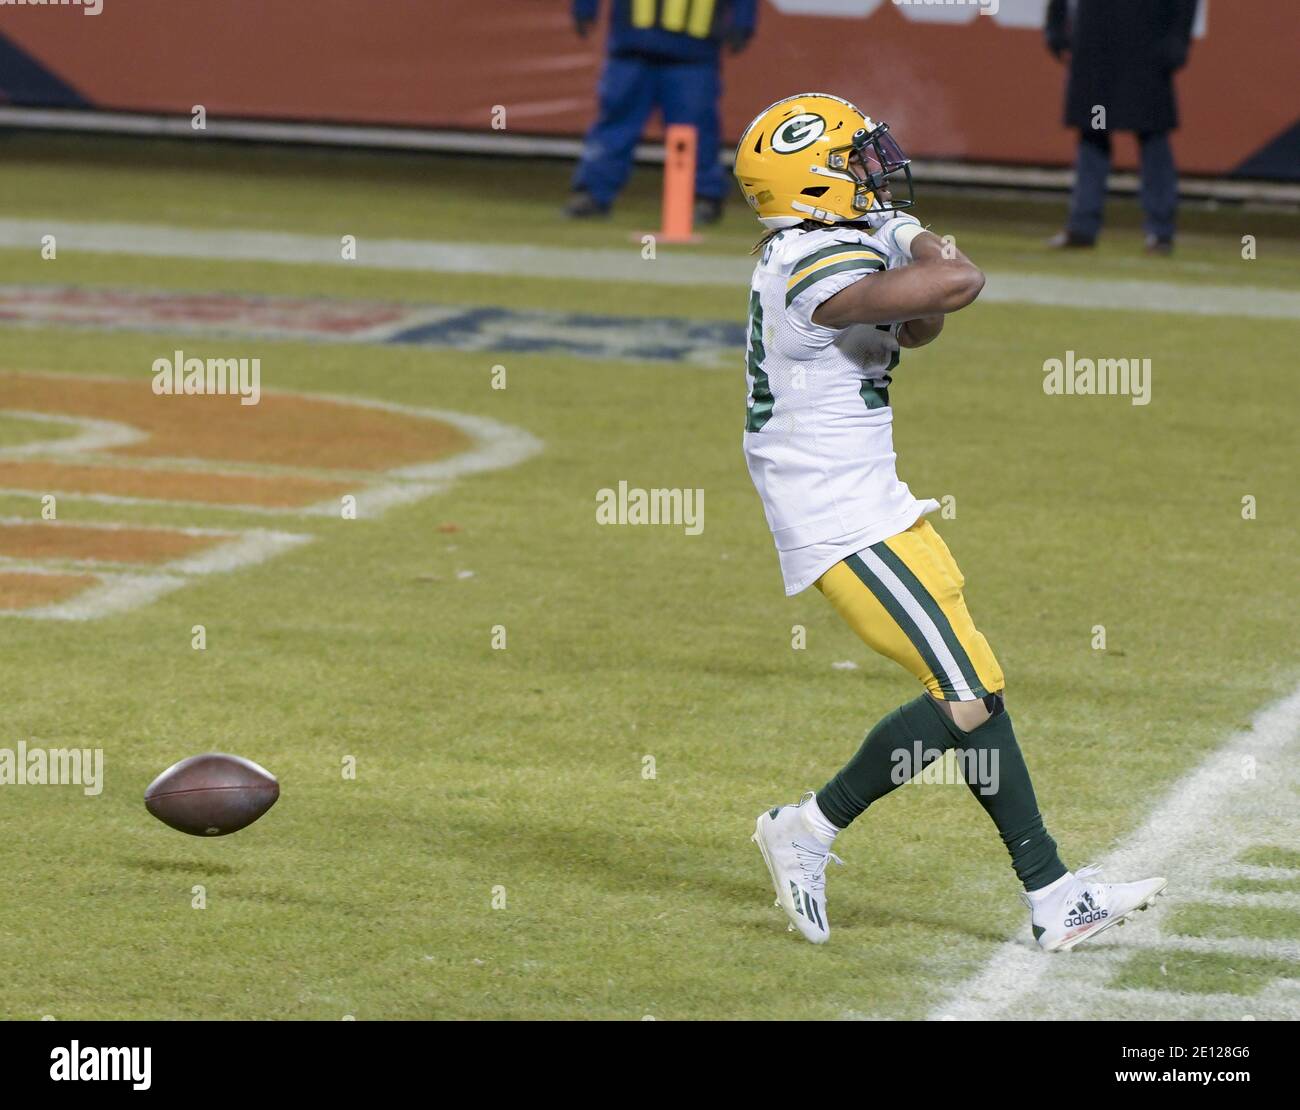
(960, 276)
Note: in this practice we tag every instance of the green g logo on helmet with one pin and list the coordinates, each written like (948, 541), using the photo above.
(798, 132)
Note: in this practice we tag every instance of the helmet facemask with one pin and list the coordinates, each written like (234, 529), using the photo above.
(870, 160)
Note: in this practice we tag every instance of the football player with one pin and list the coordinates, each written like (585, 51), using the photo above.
(846, 278)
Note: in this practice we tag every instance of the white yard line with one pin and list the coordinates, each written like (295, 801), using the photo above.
(523, 260)
(1240, 797)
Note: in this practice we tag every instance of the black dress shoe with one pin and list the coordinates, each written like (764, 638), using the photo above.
(1160, 245)
(1066, 239)
(708, 210)
(583, 206)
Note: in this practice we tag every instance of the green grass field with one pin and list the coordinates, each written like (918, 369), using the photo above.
(500, 853)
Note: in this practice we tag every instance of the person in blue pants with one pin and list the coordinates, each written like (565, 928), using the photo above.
(664, 54)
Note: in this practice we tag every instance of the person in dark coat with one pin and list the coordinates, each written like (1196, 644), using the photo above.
(1122, 56)
(665, 56)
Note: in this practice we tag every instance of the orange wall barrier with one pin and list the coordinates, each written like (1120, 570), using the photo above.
(952, 82)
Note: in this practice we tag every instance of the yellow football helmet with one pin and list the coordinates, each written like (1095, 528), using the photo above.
(817, 157)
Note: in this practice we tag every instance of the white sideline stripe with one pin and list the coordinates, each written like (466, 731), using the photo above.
(1192, 838)
(932, 635)
(523, 260)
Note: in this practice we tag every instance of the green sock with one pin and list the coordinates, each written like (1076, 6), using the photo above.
(912, 737)
(1012, 804)
(903, 744)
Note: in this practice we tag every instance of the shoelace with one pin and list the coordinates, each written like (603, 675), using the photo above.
(1096, 889)
(813, 864)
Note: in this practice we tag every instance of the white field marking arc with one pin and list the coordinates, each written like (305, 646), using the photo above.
(1209, 817)
(117, 591)
(92, 435)
(113, 593)
(368, 508)
(522, 260)
(494, 446)
(242, 546)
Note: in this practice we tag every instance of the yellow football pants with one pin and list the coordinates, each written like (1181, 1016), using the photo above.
(903, 597)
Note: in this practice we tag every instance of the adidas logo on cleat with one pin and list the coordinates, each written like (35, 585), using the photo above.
(1085, 912)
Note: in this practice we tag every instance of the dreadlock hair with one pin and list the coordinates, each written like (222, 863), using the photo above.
(803, 225)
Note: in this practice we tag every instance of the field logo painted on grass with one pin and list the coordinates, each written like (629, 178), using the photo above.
(296, 455)
(604, 338)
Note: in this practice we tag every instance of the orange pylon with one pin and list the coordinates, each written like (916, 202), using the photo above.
(679, 184)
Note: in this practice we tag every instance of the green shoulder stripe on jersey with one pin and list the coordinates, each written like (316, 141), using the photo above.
(865, 264)
(834, 248)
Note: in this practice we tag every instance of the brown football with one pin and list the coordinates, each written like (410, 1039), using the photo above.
(211, 794)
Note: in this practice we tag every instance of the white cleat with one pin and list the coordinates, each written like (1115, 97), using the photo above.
(1081, 909)
(797, 861)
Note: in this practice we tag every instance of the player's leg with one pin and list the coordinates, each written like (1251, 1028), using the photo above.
(904, 599)
(626, 98)
(882, 601)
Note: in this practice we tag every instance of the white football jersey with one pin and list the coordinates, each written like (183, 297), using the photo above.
(818, 435)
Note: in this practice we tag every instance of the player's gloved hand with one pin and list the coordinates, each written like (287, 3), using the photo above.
(897, 231)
